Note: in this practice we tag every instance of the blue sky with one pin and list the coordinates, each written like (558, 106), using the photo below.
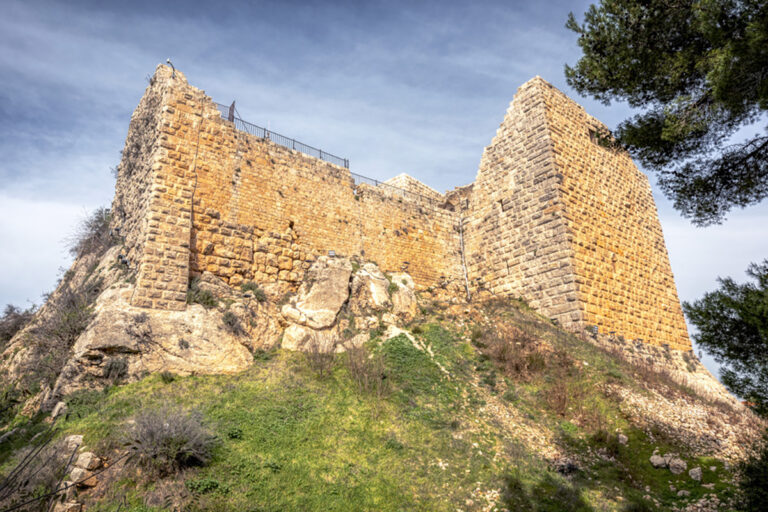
(416, 87)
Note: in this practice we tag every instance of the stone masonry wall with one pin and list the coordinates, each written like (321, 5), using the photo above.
(245, 208)
(552, 217)
(569, 225)
(516, 238)
(625, 282)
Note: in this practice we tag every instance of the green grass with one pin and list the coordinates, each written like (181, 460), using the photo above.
(291, 440)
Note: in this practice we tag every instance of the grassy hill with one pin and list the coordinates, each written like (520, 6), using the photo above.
(485, 407)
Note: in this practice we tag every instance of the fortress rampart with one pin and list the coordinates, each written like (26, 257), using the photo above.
(552, 217)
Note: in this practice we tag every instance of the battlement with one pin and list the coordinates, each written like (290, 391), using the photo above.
(552, 217)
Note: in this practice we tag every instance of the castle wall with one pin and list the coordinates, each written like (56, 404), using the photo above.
(244, 208)
(552, 217)
(625, 282)
(570, 225)
(516, 238)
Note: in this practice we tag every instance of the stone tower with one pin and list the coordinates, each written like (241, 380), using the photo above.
(570, 225)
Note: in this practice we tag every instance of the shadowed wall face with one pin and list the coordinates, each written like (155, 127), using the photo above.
(517, 242)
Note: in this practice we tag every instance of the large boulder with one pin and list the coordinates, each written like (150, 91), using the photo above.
(324, 291)
(370, 291)
(125, 342)
(301, 337)
(404, 302)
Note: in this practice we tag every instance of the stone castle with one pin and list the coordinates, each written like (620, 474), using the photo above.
(552, 217)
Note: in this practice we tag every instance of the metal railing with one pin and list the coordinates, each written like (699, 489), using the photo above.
(284, 141)
(391, 189)
(228, 113)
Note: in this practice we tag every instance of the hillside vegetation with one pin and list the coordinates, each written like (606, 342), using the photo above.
(483, 407)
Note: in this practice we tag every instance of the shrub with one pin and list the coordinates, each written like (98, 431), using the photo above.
(38, 472)
(258, 293)
(115, 369)
(392, 288)
(511, 348)
(203, 485)
(608, 441)
(13, 320)
(368, 371)
(235, 433)
(83, 402)
(232, 323)
(197, 295)
(320, 361)
(754, 475)
(67, 314)
(167, 377)
(93, 235)
(166, 440)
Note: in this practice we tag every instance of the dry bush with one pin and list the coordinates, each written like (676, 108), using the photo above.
(368, 371)
(166, 440)
(232, 323)
(516, 351)
(13, 320)
(93, 235)
(320, 361)
(38, 472)
(66, 315)
(566, 395)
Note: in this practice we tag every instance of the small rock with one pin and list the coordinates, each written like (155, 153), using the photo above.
(672, 488)
(82, 477)
(713, 468)
(695, 474)
(73, 442)
(658, 461)
(88, 460)
(708, 486)
(623, 439)
(683, 493)
(677, 466)
(566, 466)
(68, 507)
(59, 409)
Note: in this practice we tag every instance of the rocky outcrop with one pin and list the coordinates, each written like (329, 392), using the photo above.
(339, 303)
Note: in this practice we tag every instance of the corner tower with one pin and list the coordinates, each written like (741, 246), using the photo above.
(570, 225)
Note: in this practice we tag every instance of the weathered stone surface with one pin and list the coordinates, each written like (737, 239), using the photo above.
(695, 474)
(183, 342)
(405, 304)
(72, 442)
(67, 507)
(83, 477)
(326, 290)
(369, 291)
(88, 460)
(569, 225)
(301, 337)
(59, 409)
(677, 465)
(658, 461)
